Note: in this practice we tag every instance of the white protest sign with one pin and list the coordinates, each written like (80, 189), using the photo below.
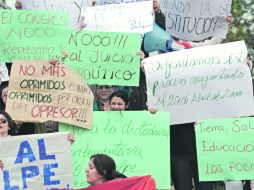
(1, 172)
(163, 6)
(106, 2)
(36, 162)
(73, 8)
(126, 17)
(201, 83)
(4, 71)
(197, 20)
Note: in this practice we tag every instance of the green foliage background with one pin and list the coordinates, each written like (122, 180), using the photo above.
(242, 27)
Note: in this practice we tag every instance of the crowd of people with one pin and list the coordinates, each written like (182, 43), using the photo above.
(102, 168)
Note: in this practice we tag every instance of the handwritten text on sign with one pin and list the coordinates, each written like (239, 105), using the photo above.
(31, 35)
(73, 8)
(193, 84)
(105, 58)
(36, 161)
(136, 140)
(39, 91)
(106, 2)
(228, 139)
(127, 17)
(197, 20)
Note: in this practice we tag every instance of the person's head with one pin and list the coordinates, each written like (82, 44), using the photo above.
(156, 6)
(104, 92)
(119, 101)
(4, 94)
(101, 168)
(7, 125)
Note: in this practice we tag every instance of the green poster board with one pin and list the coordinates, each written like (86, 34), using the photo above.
(105, 58)
(32, 35)
(225, 149)
(137, 141)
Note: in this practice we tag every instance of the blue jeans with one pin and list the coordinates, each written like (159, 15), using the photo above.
(184, 168)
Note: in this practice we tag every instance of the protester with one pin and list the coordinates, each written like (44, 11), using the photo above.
(138, 96)
(7, 125)
(119, 101)
(101, 168)
(102, 94)
(3, 93)
(184, 168)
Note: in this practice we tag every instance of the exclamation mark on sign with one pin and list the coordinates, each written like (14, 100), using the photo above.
(116, 39)
(120, 41)
(82, 115)
(124, 42)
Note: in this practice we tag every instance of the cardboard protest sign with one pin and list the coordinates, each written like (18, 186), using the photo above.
(31, 35)
(197, 20)
(192, 84)
(4, 72)
(126, 17)
(135, 140)
(73, 8)
(36, 162)
(39, 91)
(231, 140)
(105, 58)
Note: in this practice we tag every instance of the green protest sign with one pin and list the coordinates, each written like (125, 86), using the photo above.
(137, 141)
(105, 58)
(32, 35)
(225, 149)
